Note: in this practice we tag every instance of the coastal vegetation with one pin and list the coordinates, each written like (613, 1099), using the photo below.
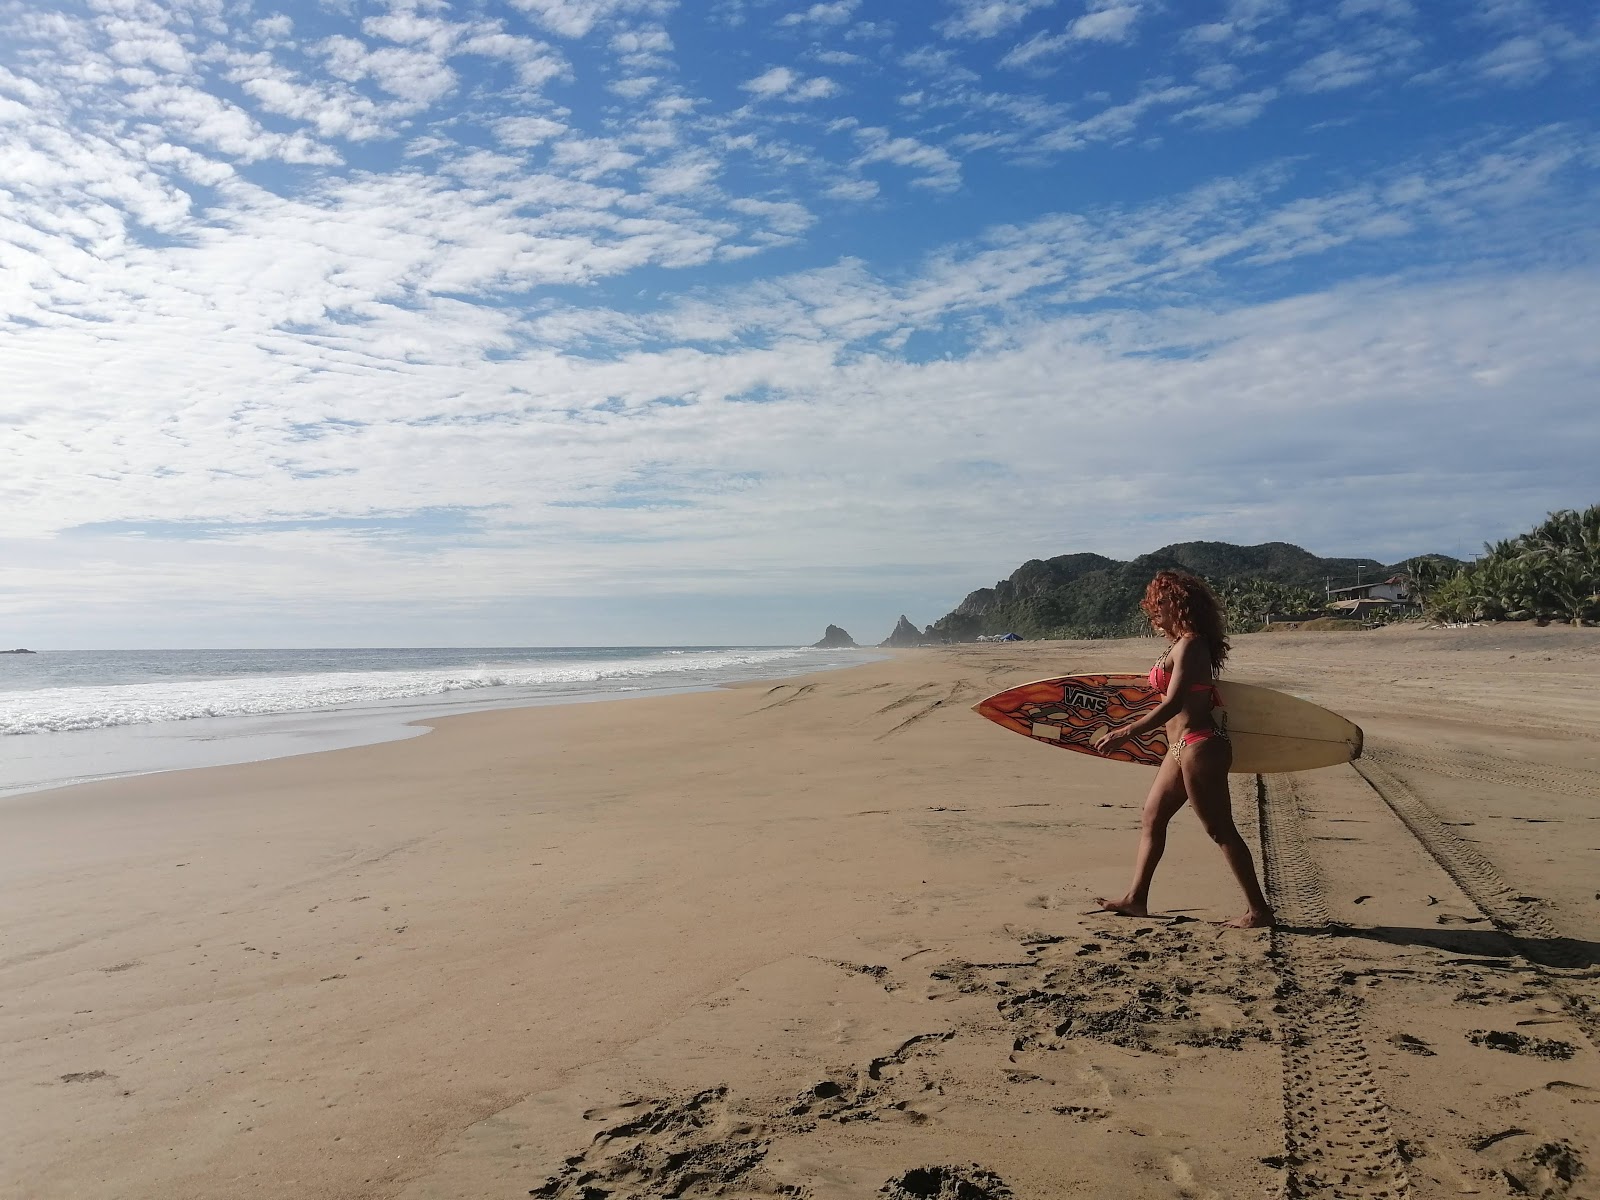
(1550, 573)
(1089, 595)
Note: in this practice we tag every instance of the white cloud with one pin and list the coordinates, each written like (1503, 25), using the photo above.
(1517, 61)
(644, 48)
(870, 31)
(789, 85)
(279, 25)
(941, 64)
(1531, 43)
(782, 216)
(838, 12)
(690, 172)
(1117, 120)
(399, 25)
(577, 18)
(137, 42)
(335, 110)
(816, 88)
(1331, 70)
(591, 158)
(535, 62)
(1106, 21)
(634, 87)
(934, 167)
(1510, 14)
(1236, 110)
(198, 116)
(1242, 29)
(1219, 76)
(1364, 57)
(1036, 49)
(418, 76)
(773, 82)
(852, 189)
(988, 18)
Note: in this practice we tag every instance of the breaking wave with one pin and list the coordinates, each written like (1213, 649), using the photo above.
(89, 706)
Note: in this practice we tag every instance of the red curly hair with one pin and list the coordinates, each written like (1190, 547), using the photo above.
(1184, 605)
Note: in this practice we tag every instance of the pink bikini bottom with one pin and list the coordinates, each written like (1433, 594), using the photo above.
(1197, 735)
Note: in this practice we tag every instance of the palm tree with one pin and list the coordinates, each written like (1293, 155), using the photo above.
(1426, 573)
(1552, 572)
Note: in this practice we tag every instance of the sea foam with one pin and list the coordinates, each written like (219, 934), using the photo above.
(89, 706)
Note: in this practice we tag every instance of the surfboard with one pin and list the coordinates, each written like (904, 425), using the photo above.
(1270, 731)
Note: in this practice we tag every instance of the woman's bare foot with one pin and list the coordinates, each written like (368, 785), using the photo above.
(1254, 919)
(1127, 906)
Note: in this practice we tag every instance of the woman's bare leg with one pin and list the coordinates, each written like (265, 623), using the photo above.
(1205, 778)
(1165, 799)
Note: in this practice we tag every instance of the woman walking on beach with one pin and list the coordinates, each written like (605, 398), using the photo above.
(1185, 611)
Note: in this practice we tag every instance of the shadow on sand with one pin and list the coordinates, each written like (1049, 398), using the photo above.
(1478, 943)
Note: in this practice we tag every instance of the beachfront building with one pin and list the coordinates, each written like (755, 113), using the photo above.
(1396, 588)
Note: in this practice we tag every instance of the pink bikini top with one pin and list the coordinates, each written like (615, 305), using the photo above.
(1161, 676)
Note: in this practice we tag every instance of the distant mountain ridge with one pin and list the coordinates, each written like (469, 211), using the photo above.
(1089, 595)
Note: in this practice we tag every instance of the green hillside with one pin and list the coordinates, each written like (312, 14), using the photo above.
(1088, 595)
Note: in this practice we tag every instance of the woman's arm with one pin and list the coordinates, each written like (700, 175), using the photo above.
(1187, 658)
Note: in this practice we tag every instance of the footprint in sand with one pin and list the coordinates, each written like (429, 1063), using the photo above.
(606, 1113)
(1548, 1169)
(1412, 1045)
(1521, 1043)
(947, 1183)
(664, 1148)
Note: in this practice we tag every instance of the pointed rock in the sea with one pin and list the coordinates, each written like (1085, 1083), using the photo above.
(833, 638)
(905, 634)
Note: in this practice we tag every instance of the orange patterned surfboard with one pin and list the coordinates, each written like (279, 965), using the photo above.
(1270, 731)
(1070, 713)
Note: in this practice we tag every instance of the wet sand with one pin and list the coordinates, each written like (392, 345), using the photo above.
(825, 937)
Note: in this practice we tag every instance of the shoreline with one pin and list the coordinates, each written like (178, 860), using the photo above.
(197, 743)
(463, 966)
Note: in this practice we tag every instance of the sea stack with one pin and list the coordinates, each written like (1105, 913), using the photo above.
(834, 638)
(905, 634)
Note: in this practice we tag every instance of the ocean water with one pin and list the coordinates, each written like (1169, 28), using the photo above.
(77, 715)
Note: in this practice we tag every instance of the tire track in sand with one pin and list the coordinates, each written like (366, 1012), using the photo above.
(1512, 912)
(959, 690)
(1337, 1138)
(796, 692)
(1490, 768)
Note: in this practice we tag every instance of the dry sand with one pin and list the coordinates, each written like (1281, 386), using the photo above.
(824, 937)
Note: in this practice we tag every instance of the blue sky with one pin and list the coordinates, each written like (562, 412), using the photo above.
(622, 321)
